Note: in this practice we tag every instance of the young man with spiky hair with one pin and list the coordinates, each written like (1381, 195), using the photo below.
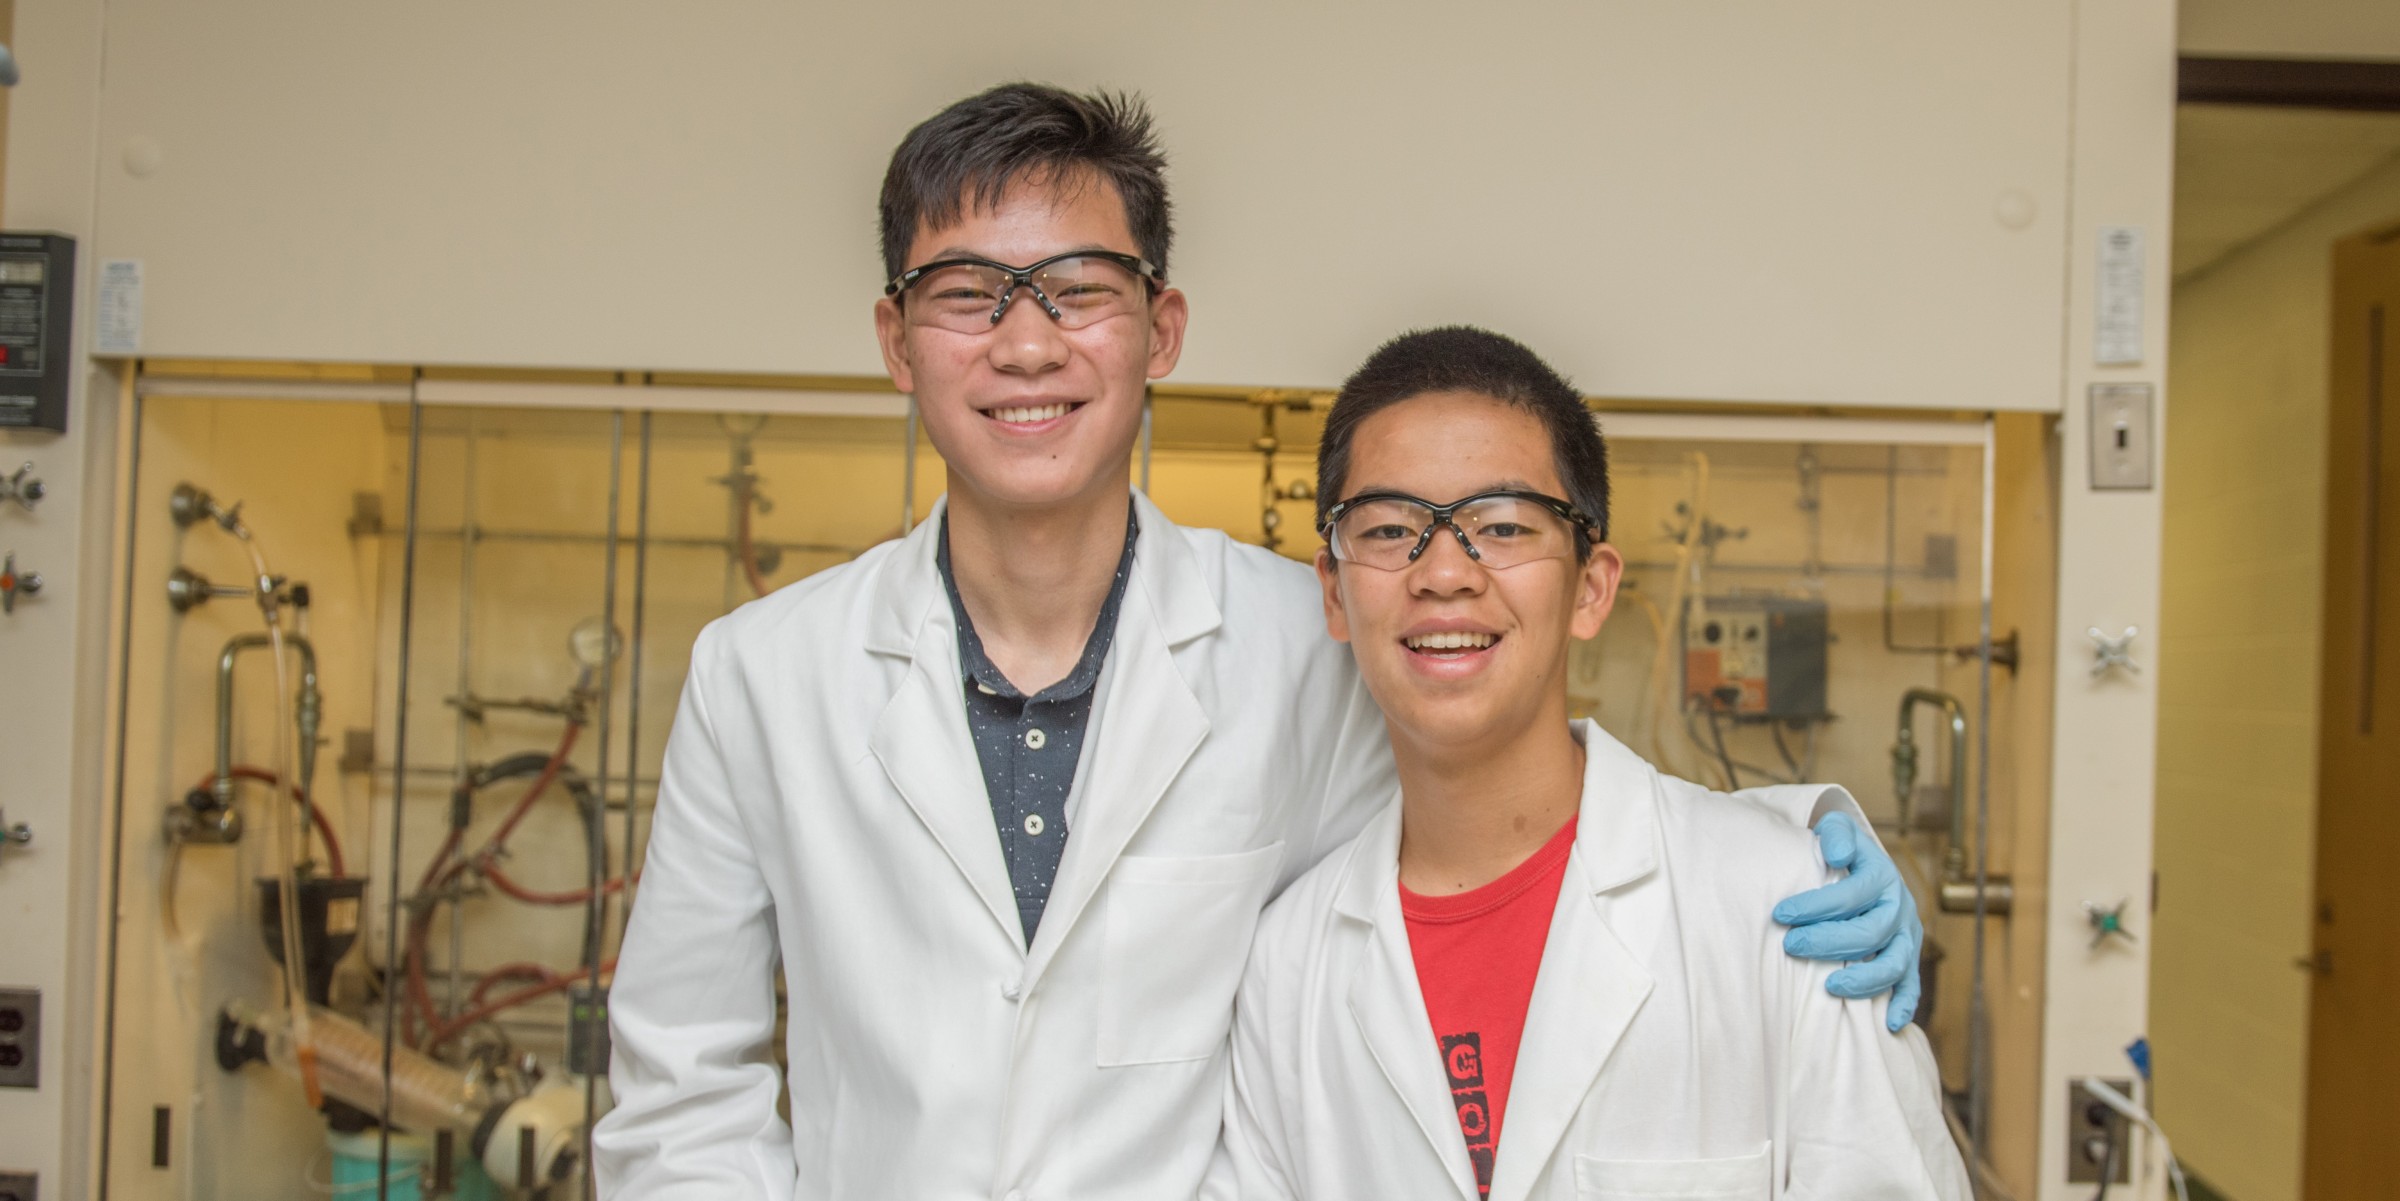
(1005, 797)
(1544, 971)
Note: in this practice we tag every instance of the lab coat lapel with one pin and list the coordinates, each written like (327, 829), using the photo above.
(921, 739)
(1386, 1002)
(1145, 722)
(1590, 985)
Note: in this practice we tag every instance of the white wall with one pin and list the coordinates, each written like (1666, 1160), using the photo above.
(1741, 200)
(2244, 564)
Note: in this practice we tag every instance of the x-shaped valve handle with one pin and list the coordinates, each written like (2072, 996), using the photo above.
(2110, 652)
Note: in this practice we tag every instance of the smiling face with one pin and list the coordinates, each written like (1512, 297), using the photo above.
(1458, 654)
(1026, 414)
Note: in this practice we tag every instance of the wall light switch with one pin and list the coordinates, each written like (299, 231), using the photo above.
(2122, 437)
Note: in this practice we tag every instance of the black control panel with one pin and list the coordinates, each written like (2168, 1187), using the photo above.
(37, 308)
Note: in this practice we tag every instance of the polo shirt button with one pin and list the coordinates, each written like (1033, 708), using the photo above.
(1036, 739)
(1034, 824)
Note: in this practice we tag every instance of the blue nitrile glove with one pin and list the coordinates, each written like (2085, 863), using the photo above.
(1866, 917)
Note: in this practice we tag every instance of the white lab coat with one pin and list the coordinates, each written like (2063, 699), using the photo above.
(822, 805)
(1671, 1049)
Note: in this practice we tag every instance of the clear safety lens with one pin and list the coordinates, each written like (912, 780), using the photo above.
(1499, 532)
(1076, 291)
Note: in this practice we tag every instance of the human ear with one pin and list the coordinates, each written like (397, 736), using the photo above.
(1596, 590)
(891, 336)
(1329, 577)
(1168, 315)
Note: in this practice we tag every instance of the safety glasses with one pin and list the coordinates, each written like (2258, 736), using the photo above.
(1079, 288)
(1499, 529)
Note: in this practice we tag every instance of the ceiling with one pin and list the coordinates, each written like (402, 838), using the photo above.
(2241, 172)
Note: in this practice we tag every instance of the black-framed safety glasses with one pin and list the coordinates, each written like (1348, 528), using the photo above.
(1499, 529)
(1078, 288)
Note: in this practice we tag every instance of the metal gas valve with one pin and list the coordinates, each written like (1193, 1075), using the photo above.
(14, 836)
(14, 583)
(22, 488)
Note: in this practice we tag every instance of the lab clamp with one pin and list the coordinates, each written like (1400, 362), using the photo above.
(1957, 892)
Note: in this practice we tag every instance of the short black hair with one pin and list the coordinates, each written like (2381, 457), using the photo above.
(966, 156)
(1460, 358)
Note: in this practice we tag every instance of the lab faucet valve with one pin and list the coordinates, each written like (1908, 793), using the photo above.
(14, 583)
(17, 835)
(189, 505)
(22, 488)
(2107, 920)
(2108, 653)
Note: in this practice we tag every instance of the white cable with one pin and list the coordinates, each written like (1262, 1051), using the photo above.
(2123, 1104)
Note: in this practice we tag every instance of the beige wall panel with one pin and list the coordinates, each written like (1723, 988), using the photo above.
(2243, 573)
(53, 647)
(1748, 200)
(2103, 767)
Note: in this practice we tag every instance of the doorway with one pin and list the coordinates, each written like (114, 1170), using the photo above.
(2354, 1046)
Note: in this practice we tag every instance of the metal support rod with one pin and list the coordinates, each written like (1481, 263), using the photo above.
(455, 1003)
(1979, 1023)
(391, 925)
(595, 904)
(720, 546)
(633, 683)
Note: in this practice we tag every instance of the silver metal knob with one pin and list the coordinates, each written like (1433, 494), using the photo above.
(17, 835)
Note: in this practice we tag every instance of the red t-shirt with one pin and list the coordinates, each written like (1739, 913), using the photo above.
(1477, 955)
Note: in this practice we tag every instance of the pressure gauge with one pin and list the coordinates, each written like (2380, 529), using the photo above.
(592, 642)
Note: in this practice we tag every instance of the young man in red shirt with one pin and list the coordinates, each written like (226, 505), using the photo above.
(1546, 970)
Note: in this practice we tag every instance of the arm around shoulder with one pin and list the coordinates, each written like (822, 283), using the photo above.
(1863, 1105)
(692, 1009)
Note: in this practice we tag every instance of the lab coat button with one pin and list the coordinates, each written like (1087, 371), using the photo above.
(1013, 990)
(1036, 740)
(1016, 1195)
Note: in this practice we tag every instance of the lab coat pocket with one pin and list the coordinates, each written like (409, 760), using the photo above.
(1177, 937)
(1741, 1178)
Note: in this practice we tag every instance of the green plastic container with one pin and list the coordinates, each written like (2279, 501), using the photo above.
(355, 1156)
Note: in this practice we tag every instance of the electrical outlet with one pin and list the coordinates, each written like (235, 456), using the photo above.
(19, 1186)
(20, 1039)
(2091, 1128)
